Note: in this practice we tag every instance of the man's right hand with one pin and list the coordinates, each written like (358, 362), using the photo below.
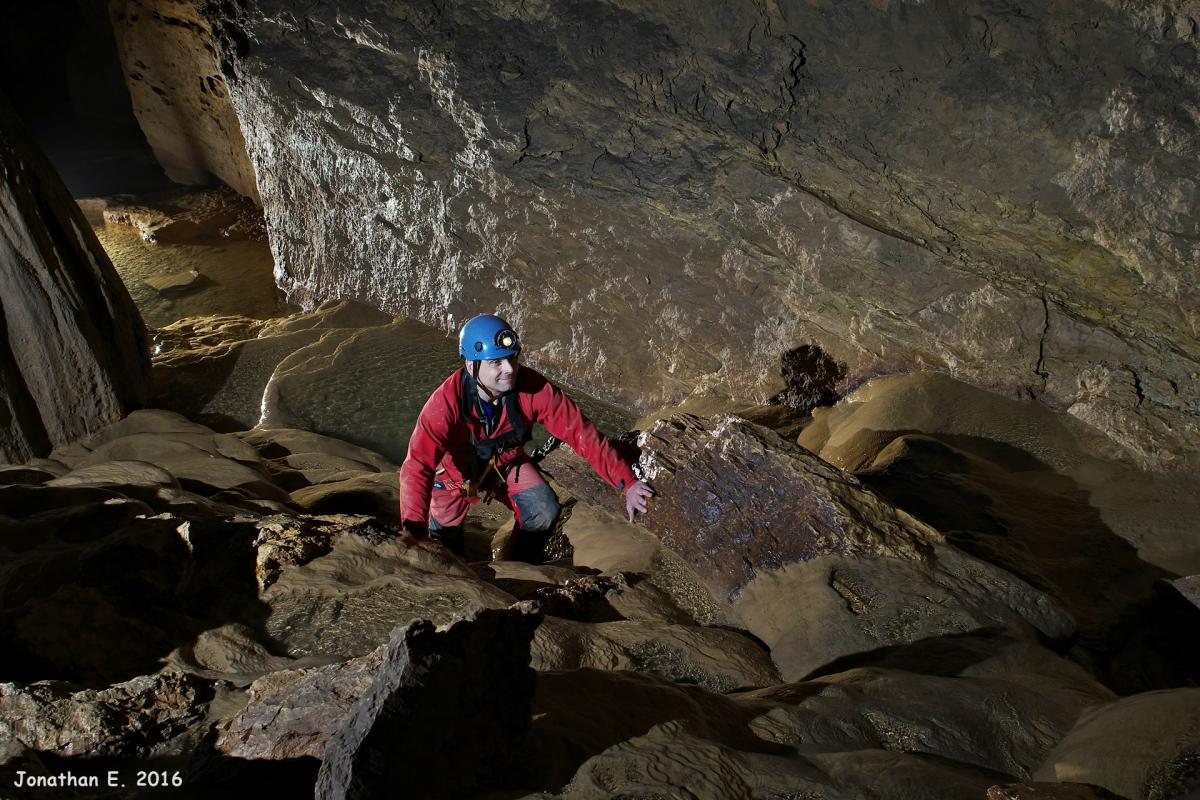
(636, 496)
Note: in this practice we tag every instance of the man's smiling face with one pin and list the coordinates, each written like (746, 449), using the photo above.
(498, 375)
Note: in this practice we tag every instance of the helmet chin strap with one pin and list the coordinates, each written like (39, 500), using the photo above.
(475, 377)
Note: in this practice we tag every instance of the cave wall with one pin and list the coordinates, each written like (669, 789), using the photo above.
(179, 94)
(73, 349)
(59, 70)
(664, 197)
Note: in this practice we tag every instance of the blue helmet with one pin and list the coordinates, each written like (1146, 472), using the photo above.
(486, 337)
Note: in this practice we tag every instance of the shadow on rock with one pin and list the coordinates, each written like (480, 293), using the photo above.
(108, 590)
(1004, 506)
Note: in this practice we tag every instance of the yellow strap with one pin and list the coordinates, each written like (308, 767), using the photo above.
(491, 466)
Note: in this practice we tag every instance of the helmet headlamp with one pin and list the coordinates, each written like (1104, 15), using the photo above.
(508, 340)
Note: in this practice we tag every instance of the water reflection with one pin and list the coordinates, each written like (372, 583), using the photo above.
(234, 276)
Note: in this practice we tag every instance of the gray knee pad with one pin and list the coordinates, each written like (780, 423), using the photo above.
(539, 508)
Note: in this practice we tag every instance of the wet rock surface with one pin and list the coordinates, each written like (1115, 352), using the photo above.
(308, 371)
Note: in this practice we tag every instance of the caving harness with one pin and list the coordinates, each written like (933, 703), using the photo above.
(485, 451)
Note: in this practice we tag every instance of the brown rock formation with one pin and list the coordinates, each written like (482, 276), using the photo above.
(128, 719)
(663, 197)
(1145, 746)
(73, 352)
(469, 689)
(179, 94)
(771, 528)
(293, 713)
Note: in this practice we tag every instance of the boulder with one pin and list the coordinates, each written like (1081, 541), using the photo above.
(294, 713)
(104, 594)
(912, 735)
(347, 602)
(127, 720)
(1004, 712)
(717, 659)
(73, 355)
(668, 758)
(1143, 747)
(668, 590)
(163, 447)
(175, 283)
(768, 527)
(445, 715)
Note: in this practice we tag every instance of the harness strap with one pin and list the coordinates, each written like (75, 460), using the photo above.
(488, 448)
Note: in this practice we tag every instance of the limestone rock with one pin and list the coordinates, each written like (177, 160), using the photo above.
(912, 735)
(347, 602)
(306, 371)
(176, 283)
(128, 719)
(398, 732)
(1188, 588)
(73, 357)
(717, 659)
(767, 525)
(179, 94)
(663, 200)
(24, 474)
(183, 215)
(581, 713)
(1026, 489)
(222, 383)
(231, 653)
(1003, 713)
(667, 756)
(373, 493)
(320, 387)
(737, 501)
(859, 605)
(294, 713)
(105, 593)
(118, 472)
(1143, 747)
(668, 590)
(193, 455)
(284, 540)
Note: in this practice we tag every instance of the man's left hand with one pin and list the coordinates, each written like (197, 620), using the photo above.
(636, 497)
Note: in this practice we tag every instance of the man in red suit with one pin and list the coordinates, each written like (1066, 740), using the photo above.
(469, 440)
